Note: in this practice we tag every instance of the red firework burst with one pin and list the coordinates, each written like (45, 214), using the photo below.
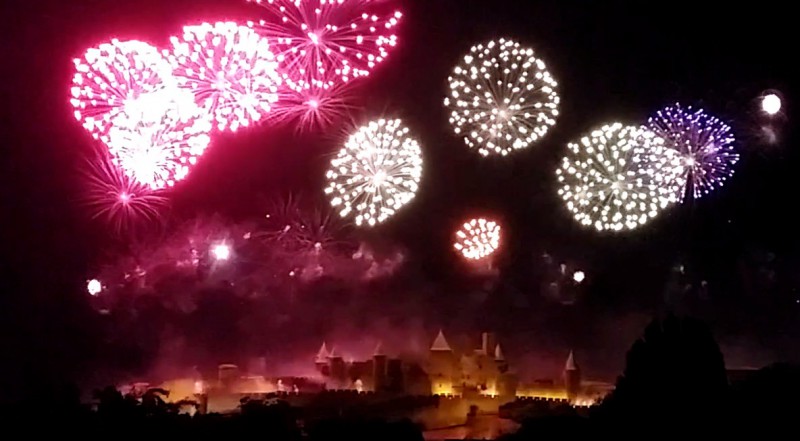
(478, 239)
(118, 199)
(316, 37)
(111, 77)
(229, 68)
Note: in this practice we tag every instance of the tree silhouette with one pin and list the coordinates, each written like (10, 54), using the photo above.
(675, 374)
(767, 397)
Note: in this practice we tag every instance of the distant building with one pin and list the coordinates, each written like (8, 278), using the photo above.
(483, 371)
(481, 377)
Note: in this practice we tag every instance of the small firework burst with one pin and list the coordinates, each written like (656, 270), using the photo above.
(376, 172)
(229, 68)
(478, 239)
(120, 200)
(310, 105)
(704, 145)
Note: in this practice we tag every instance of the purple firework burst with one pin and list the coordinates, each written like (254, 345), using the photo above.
(705, 146)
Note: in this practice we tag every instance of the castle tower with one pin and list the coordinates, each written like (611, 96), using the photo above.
(379, 370)
(441, 366)
(572, 377)
(338, 370)
(228, 375)
(500, 360)
(321, 361)
(489, 341)
(394, 376)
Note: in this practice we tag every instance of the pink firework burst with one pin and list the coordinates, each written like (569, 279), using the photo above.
(229, 68)
(316, 37)
(113, 76)
(310, 105)
(119, 200)
(156, 148)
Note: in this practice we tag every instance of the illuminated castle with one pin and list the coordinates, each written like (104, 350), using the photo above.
(477, 377)
(479, 372)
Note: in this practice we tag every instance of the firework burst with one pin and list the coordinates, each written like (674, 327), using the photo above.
(316, 37)
(618, 177)
(296, 228)
(313, 105)
(158, 148)
(118, 199)
(478, 239)
(706, 157)
(376, 173)
(502, 98)
(111, 78)
(229, 68)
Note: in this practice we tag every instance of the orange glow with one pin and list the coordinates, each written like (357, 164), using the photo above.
(442, 389)
(490, 391)
(545, 394)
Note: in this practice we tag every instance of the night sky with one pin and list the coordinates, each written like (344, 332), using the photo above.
(614, 60)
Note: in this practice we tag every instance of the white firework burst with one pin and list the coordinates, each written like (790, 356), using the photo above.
(376, 173)
(618, 177)
(502, 98)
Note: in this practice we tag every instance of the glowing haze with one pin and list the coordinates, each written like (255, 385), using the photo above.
(478, 239)
(230, 70)
(376, 172)
(502, 98)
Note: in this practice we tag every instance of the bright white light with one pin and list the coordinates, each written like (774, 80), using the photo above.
(578, 276)
(94, 287)
(771, 104)
(221, 252)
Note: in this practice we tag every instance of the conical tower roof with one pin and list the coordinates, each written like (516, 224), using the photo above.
(571, 365)
(379, 350)
(333, 354)
(440, 343)
(323, 353)
(498, 353)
